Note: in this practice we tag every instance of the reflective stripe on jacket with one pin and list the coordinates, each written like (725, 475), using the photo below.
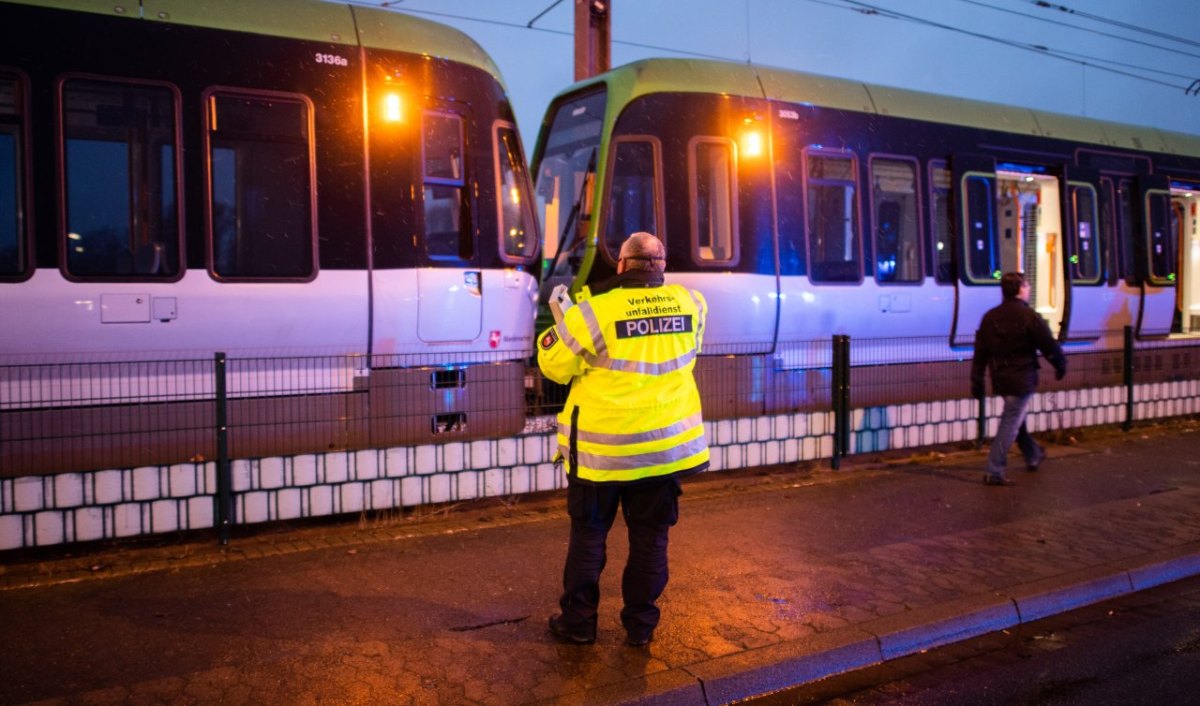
(634, 410)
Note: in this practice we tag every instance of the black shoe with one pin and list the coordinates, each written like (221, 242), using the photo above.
(563, 632)
(989, 479)
(1033, 467)
(639, 640)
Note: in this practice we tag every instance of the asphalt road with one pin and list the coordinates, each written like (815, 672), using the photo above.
(1143, 648)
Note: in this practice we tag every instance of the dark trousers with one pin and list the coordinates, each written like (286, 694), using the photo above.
(650, 508)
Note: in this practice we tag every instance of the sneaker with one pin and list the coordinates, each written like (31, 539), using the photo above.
(989, 479)
(1033, 466)
(563, 632)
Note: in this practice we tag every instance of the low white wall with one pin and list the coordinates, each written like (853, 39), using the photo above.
(80, 507)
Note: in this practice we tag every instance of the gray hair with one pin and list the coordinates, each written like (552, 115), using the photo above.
(644, 251)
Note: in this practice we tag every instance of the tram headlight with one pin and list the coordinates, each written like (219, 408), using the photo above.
(752, 143)
(392, 107)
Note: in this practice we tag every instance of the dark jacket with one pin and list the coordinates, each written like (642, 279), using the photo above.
(1007, 342)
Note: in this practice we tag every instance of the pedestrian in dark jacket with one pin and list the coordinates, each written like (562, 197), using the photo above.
(1007, 344)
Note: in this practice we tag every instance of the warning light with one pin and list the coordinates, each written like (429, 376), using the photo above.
(752, 144)
(391, 108)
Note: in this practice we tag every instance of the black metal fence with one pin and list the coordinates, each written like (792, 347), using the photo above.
(75, 417)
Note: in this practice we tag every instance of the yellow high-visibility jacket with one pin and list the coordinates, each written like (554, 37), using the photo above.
(633, 411)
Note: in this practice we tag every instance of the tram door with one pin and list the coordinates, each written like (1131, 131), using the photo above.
(1029, 212)
(1158, 262)
(1090, 304)
(450, 294)
(1185, 224)
(978, 254)
(1010, 220)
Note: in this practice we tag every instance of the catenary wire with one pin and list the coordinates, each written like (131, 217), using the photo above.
(516, 25)
(1069, 25)
(1116, 23)
(869, 9)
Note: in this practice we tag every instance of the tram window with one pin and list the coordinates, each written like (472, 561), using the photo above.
(119, 166)
(1108, 253)
(12, 231)
(714, 204)
(981, 249)
(942, 219)
(1085, 259)
(517, 236)
(832, 218)
(1160, 239)
(632, 193)
(446, 231)
(1126, 228)
(564, 180)
(260, 153)
(897, 235)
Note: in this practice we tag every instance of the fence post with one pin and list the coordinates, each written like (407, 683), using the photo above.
(981, 422)
(840, 393)
(1127, 365)
(845, 395)
(224, 498)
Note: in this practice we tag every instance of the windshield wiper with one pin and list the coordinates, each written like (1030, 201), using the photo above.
(574, 214)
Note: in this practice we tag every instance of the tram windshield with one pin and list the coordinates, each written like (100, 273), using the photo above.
(565, 177)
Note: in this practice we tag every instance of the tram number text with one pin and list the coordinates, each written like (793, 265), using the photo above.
(789, 114)
(332, 59)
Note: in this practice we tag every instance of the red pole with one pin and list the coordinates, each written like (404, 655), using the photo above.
(593, 39)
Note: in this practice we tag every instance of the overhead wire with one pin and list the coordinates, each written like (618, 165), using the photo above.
(1116, 23)
(539, 15)
(1060, 23)
(528, 26)
(1037, 48)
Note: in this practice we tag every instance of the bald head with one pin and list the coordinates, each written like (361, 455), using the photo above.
(642, 251)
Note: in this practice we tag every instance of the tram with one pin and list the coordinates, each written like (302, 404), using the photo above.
(268, 180)
(805, 206)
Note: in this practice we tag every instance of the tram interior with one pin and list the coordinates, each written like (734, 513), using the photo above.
(1030, 227)
(1184, 222)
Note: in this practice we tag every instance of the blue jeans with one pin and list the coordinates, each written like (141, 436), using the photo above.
(1012, 427)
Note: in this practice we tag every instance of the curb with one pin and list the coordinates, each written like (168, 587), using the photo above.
(769, 669)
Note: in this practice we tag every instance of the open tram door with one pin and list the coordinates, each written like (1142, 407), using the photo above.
(975, 245)
(1009, 220)
(1185, 224)
(1082, 257)
(1155, 247)
(1030, 213)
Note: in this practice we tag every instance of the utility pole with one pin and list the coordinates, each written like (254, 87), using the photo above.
(593, 39)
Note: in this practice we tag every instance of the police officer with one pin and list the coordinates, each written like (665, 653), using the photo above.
(630, 428)
(1007, 343)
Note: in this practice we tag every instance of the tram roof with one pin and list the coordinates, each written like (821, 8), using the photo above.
(729, 78)
(313, 20)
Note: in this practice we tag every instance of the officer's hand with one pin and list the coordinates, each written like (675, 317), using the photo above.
(1060, 373)
(977, 390)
